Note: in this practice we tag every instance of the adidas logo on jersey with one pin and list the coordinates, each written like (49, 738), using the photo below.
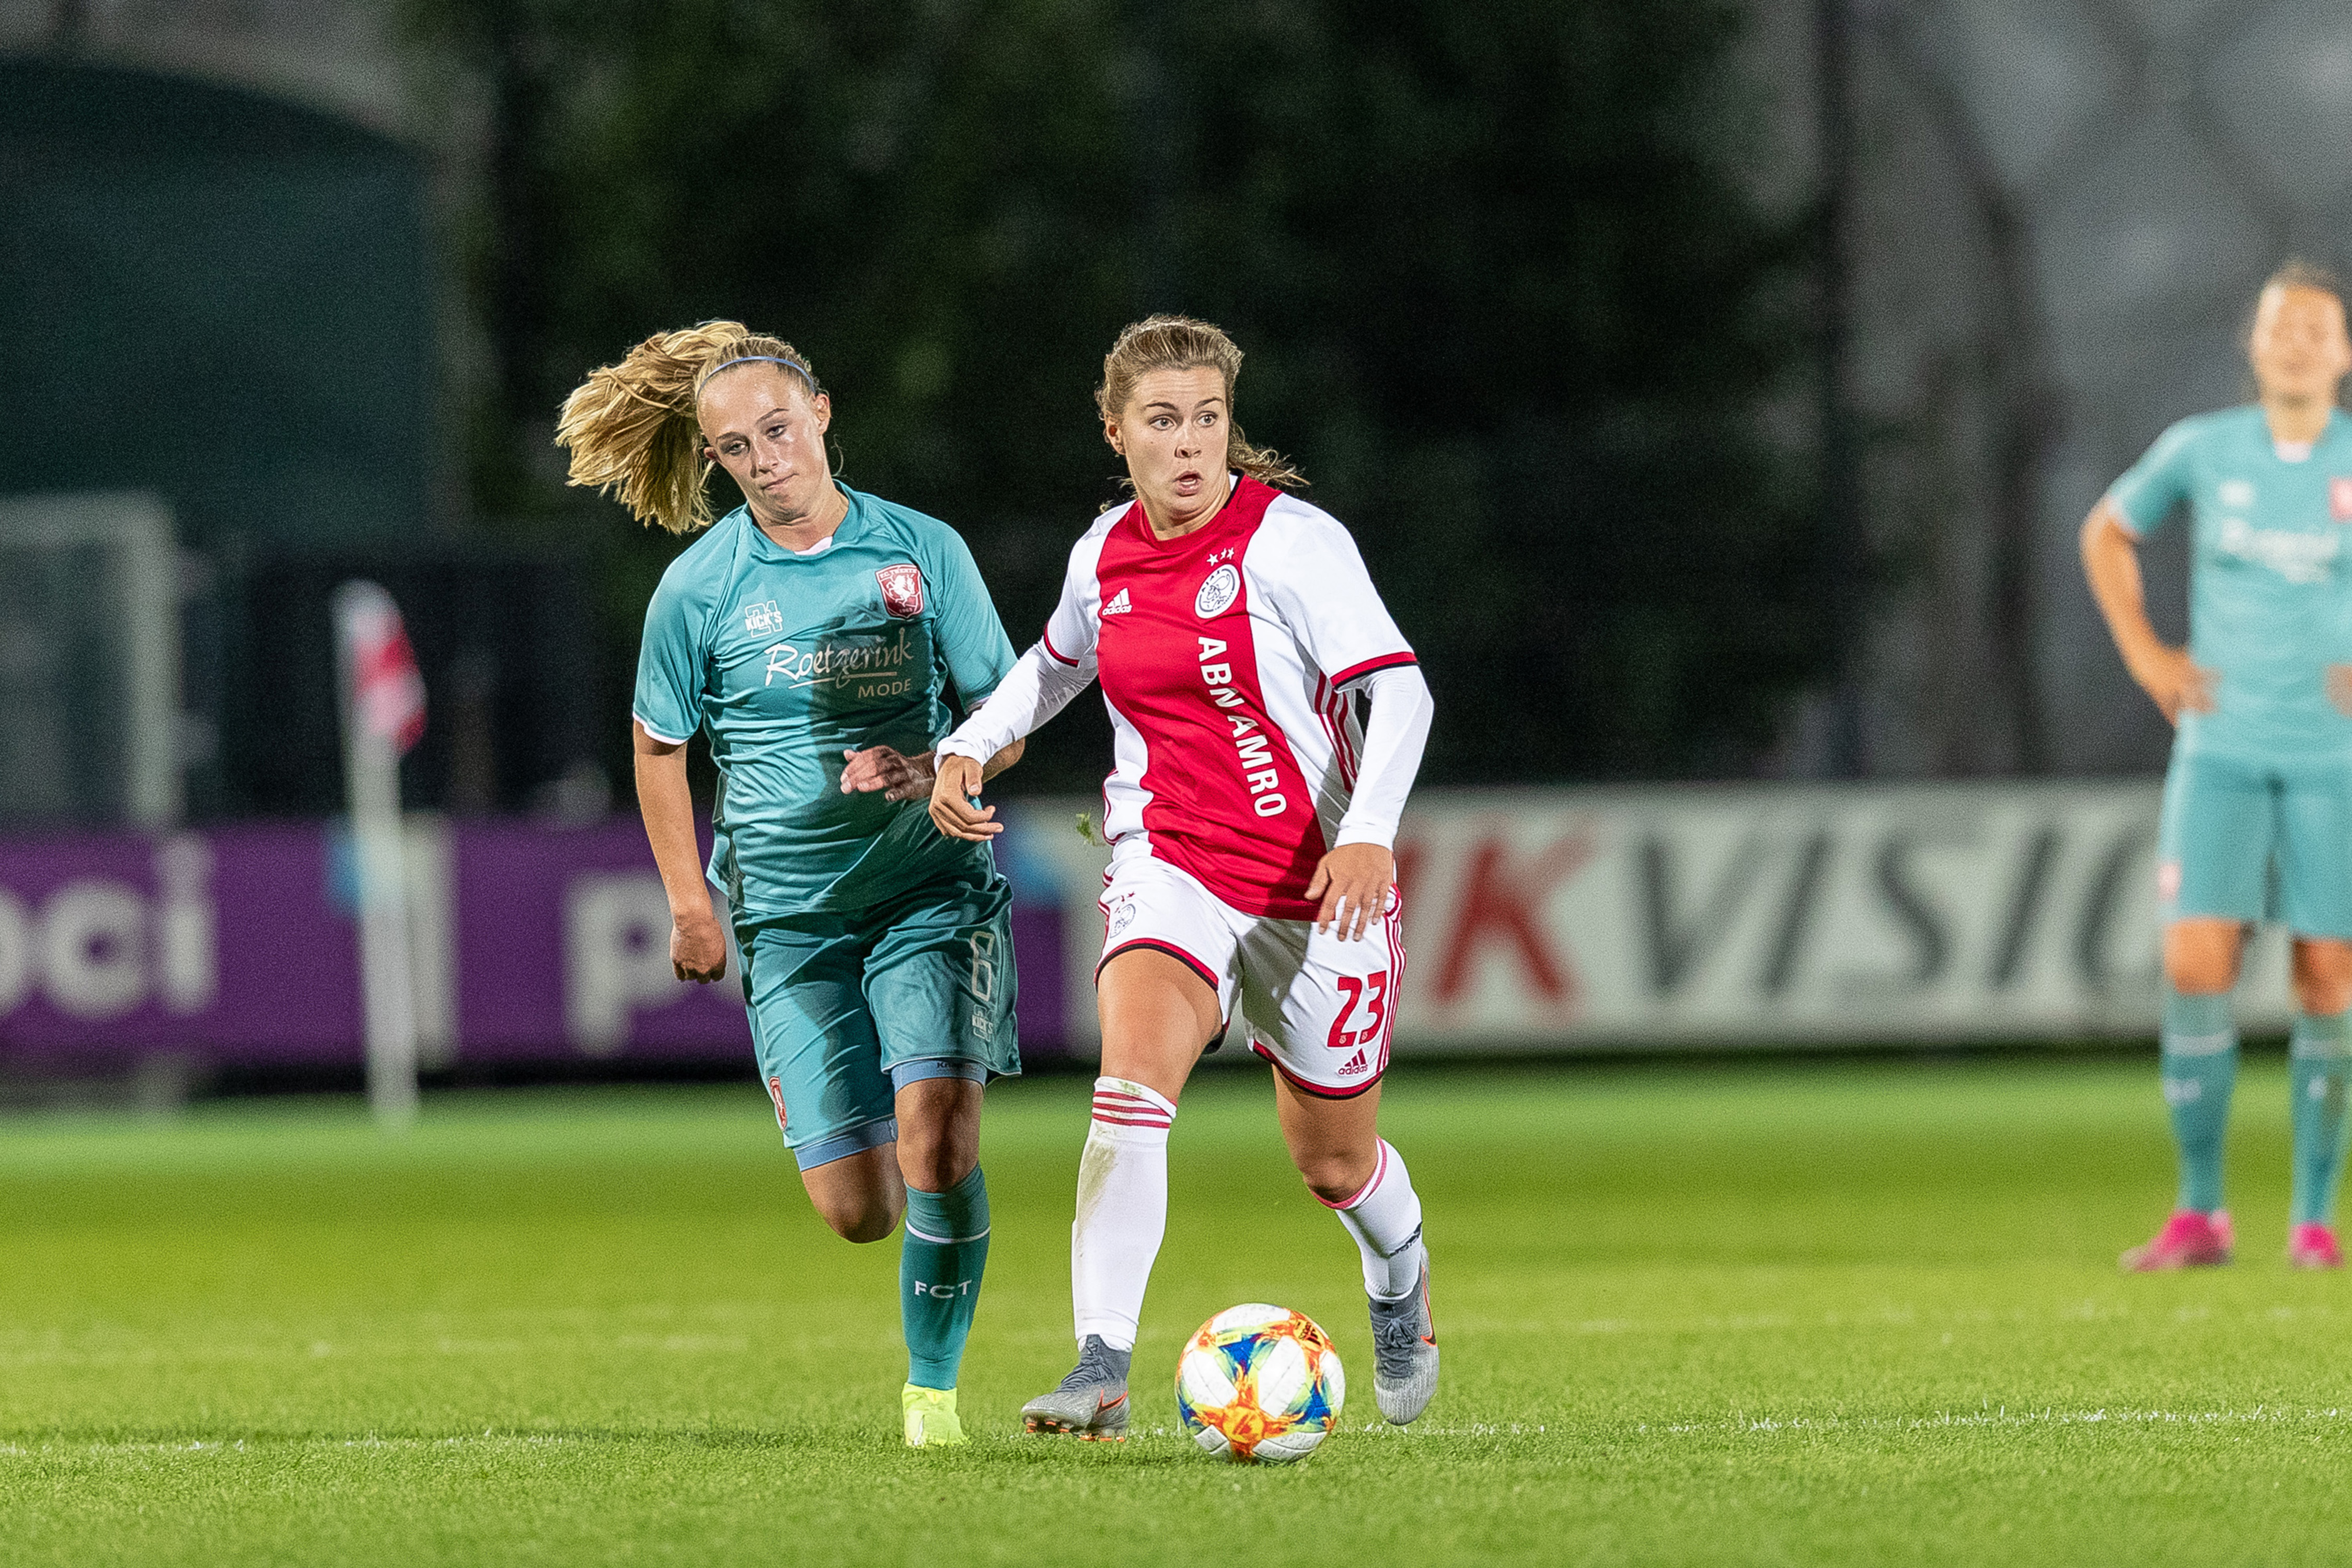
(1118, 605)
(1356, 1064)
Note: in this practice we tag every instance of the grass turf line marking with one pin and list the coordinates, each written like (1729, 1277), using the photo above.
(2085, 1312)
(2005, 1417)
(1735, 1425)
(560, 1451)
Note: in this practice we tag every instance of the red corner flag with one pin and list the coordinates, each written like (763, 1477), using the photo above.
(385, 692)
(383, 714)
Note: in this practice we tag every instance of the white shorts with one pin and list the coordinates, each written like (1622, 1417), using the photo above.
(1321, 1009)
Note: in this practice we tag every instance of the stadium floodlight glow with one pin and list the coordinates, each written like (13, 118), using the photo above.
(383, 716)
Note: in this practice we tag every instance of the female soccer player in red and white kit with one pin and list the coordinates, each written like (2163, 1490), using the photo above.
(1252, 807)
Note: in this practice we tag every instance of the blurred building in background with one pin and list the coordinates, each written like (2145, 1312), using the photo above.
(310, 228)
(955, 208)
(220, 301)
(2059, 212)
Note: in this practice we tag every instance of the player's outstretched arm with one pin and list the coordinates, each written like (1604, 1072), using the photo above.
(2111, 561)
(1040, 685)
(955, 802)
(901, 777)
(697, 947)
(1004, 759)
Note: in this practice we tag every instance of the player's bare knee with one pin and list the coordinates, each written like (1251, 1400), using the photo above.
(935, 1164)
(2202, 976)
(2324, 1001)
(1334, 1191)
(2200, 968)
(939, 1133)
(2201, 960)
(2323, 976)
(1334, 1175)
(862, 1223)
(858, 1197)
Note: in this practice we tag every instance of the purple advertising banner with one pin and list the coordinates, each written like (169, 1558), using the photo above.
(227, 941)
(563, 937)
(562, 944)
(528, 941)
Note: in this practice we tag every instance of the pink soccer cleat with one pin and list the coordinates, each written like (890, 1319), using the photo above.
(2313, 1246)
(2188, 1240)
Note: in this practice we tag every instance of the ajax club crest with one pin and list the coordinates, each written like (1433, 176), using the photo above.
(1218, 593)
(902, 589)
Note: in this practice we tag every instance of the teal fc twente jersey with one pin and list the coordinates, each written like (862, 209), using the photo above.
(787, 660)
(2270, 582)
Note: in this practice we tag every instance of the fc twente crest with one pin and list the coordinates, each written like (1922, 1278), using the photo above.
(902, 589)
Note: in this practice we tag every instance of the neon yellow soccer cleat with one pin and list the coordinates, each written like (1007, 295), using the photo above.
(932, 1421)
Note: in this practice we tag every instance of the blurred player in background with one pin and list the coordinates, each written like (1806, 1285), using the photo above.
(2261, 782)
(1253, 809)
(811, 634)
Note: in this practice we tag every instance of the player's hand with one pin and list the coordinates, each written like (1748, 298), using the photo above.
(2174, 682)
(880, 768)
(957, 781)
(2339, 687)
(697, 948)
(1352, 888)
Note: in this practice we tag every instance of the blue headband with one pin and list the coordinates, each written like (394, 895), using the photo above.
(771, 359)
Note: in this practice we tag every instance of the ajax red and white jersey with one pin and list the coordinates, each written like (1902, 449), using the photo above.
(1224, 656)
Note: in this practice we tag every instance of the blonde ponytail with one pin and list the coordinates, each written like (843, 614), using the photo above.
(632, 428)
(1180, 343)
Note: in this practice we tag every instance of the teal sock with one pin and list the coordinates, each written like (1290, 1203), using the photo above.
(940, 1260)
(2319, 1061)
(2200, 1066)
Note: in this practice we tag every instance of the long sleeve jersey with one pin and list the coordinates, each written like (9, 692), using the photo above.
(1230, 659)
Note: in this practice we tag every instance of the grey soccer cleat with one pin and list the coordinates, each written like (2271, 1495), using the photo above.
(1404, 1353)
(1091, 1402)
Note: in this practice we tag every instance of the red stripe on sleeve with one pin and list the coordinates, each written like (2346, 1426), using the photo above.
(1385, 661)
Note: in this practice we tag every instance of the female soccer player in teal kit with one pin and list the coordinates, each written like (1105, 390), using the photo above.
(811, 634)
(2262, 764)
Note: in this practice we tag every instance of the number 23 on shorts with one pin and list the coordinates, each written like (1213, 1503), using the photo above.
(1372, 991)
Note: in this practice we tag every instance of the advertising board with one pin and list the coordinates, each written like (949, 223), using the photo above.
(1753, 915)
(1544, 920)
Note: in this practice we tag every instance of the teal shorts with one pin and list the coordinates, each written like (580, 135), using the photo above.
(2248, 841)
(849, 1007)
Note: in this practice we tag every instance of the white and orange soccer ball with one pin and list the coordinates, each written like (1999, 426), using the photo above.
(1260, 1385)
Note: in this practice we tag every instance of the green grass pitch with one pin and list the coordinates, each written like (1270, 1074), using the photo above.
(1793, 1314)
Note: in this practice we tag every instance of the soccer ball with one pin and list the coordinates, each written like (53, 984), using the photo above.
(1260, 1385)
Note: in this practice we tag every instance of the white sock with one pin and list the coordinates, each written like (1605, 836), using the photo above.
(1122, 1209)
(1384, 1217)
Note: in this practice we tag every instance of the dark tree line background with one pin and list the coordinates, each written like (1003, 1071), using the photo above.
(1502, 293)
